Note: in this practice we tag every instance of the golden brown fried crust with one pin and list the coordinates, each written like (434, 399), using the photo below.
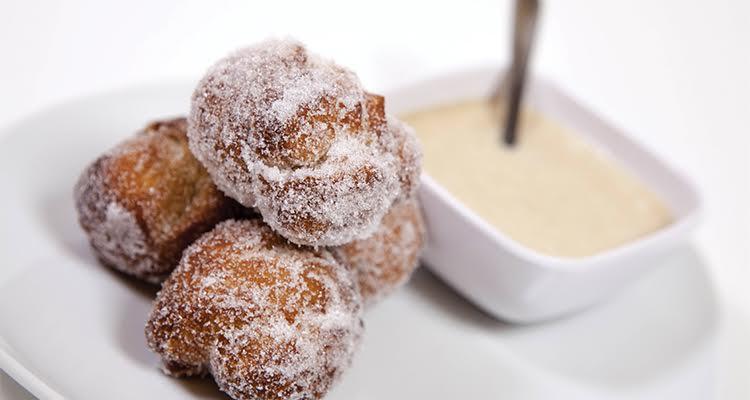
(291, 145)
(386, 260)
(268, 319)
(376, 119)
(147, 199)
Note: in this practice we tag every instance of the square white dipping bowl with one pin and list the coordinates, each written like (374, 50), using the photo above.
(507, 279)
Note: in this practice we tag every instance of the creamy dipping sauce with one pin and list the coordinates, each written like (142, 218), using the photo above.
(553, 192)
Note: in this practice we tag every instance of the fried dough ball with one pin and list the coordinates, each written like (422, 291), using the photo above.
(385, 261)
(297, 137)
(267, 318)
(147, 199)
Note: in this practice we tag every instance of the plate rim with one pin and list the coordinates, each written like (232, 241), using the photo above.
(24, 377)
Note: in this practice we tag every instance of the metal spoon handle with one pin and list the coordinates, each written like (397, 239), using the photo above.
(524, 27)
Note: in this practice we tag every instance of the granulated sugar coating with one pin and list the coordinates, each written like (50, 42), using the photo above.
(336, 202)
(385, 261)
(146, 200)
(297, 137)
(409, 155)
(267, 318)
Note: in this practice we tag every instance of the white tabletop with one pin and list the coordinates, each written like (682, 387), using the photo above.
(673, 72)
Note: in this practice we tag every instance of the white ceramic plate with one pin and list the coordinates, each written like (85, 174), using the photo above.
(72, 329)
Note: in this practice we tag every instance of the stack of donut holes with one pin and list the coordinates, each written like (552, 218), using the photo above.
(272, 216)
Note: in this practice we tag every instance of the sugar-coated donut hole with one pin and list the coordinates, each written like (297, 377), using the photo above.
(147, 199)
(271, 118)
(266, 318)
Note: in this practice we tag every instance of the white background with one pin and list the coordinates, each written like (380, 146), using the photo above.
(675, 73)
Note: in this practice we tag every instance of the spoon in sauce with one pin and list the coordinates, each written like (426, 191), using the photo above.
(524, 27)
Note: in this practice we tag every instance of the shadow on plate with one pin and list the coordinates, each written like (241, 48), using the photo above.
(133, 313)
(57, 214)
(650, 330)
(202, 388)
